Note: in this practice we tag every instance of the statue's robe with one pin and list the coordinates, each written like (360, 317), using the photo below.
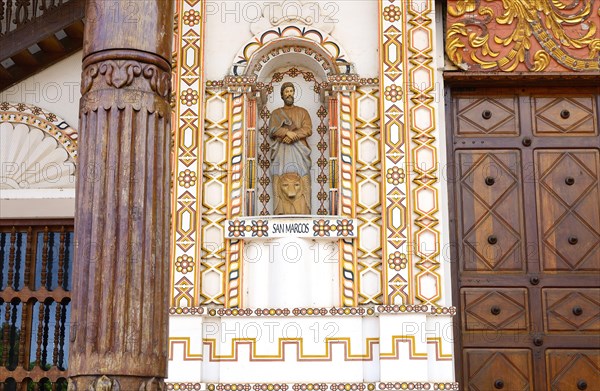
(293, 157)
(290, 158)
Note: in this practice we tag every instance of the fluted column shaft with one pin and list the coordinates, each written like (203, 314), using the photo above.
(120, 291)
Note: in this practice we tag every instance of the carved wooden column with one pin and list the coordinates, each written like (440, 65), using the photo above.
(120, 305)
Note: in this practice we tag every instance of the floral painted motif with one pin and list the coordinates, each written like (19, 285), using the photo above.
(187, 178)
(260, 228)
(189, 97)
(237, 228)
(392, 13)
(191, 17)
(321, 228)
(184, 264)
(395, 175)
(393, 93)
(344, 227)
(397, 261)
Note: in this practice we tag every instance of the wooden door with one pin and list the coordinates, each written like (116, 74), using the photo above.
(525, 215)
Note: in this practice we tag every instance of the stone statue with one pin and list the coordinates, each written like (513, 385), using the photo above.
(289, 127)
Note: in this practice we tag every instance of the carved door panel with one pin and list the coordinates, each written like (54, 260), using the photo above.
(568, 209)
(525, 217)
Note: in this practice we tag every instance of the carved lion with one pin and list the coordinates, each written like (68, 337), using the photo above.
(292, 194)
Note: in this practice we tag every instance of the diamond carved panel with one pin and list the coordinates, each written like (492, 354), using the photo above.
(487, 368)
(491, 211)
(486, 116)
(573, 116)
(568, 310)
(573, 369)
(568, 200)
(495, 309)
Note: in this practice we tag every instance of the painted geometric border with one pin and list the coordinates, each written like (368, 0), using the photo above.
(425, 187)
(188, 93)
(311, 386)
(411, 198)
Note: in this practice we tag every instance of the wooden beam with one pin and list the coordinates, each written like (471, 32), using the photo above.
(16, 73)
(51, 44)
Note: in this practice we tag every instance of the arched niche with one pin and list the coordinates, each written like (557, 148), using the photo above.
(309, 59)
(324, 80)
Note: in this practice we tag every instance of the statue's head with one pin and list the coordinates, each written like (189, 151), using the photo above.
(287, 93)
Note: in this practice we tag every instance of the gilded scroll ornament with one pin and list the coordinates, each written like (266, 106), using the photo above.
(523, 35)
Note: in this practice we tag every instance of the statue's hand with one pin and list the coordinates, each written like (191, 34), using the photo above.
(286, 140)
(292, 136)
(280, 133)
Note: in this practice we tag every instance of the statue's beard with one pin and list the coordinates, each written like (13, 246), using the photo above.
(289, 100)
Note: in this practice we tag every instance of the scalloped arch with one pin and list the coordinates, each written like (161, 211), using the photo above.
(48, 122)
(311, 42)
(38, 148)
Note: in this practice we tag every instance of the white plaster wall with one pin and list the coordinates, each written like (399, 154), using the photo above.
(291, 272)
(55, 89)
(355, 29)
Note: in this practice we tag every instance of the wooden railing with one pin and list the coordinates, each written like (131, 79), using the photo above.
(35, 34)
(35, 283)
(17, 13)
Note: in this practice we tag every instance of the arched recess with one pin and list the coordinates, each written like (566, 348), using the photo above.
(268, 59)
(310, 42)
(318, 63)
(38, 150)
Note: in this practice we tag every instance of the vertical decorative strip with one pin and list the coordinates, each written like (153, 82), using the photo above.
(425, 184)
(235, 189)
(264, 162)
(348, 262)
(251, 158)
(346, 138)
(188, 94)
(214, 207)
(322, 161)
(235, 183)
(368, 186)
(396, 202)
(333, 154)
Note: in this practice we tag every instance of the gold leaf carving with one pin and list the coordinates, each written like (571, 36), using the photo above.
(541, 60)
(503, 35)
